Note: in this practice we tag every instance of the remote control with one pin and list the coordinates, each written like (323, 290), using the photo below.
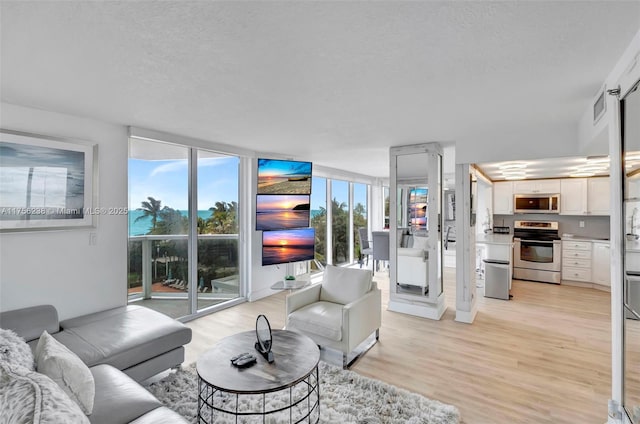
(235, 358)
(245, 361)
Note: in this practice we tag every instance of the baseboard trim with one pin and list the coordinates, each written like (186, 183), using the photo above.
(585, 285)
(424, 310)
(466, 317)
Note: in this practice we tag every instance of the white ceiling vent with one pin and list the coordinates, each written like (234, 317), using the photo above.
(599, 105)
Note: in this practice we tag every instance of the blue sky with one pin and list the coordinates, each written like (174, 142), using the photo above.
(166, 180)
(339, 190)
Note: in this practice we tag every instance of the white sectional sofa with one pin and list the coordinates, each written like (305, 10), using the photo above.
(120, 346)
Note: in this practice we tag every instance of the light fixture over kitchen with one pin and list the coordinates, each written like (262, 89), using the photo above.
(563, 167)
(593, 165)
(513, 170)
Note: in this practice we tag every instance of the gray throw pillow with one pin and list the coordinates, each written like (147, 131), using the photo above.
(30, 397)
(65, 368)
(15, 351)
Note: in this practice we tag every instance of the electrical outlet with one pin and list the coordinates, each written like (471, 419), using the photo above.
(581, 224)
(93, 239)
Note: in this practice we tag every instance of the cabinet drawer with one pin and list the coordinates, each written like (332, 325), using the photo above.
(576, 254)
(577, 245)
(577, 263)
(576, 274)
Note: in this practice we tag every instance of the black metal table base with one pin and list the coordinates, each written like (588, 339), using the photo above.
(299, 403)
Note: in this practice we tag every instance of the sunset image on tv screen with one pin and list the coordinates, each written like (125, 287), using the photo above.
(418, 208)
(283, 177)
(284, 246)
(282, 211)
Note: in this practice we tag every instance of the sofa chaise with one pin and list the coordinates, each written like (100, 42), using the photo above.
(121, 347)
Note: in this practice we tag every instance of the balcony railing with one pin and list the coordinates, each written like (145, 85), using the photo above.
(158, 266)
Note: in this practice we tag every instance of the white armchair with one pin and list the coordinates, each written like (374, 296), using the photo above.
(413, 267)
(413, 263)
(340, 313)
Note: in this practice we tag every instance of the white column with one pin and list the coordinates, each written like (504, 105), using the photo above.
(466, 307)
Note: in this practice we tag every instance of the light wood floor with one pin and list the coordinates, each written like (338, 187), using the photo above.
(543, 357)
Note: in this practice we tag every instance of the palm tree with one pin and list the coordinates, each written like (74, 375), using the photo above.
(151, 208)
(223, 219)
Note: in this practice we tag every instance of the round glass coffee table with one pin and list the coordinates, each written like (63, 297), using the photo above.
(287, 390)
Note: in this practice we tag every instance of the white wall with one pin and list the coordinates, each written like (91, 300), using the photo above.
(546, 140)
(60, 267)
(594, 139)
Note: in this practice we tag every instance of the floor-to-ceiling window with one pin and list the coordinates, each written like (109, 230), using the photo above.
(162, 183)
(218, 268)
(360, 214)
(319, 218)
(158, 226)
(385, 195)
(340, 222)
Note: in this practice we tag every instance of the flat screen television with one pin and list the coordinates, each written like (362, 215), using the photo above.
(418, 208)
(285, 246)
(282, 211)
(284, 177)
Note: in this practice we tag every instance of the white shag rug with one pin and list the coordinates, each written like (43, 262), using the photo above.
(345, 397)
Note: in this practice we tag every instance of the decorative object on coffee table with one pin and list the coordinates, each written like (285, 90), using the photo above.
(227, 392)
(264, 338)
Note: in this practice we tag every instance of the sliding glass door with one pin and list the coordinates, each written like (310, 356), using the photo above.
(168, 270)
(158, 227)
(218, 268)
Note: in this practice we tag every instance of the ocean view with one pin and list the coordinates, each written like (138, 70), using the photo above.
(143, 226)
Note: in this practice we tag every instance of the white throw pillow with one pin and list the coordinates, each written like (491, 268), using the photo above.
(65, 368)
(30, 397)
(14, 350)
(420, 242)
(344, 285)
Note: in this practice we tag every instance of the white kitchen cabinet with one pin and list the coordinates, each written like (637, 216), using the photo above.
(573, 196)
(551, 186)
(601, 263)
(633, 187)
(598, 196)
(576, 260)
(503, 198)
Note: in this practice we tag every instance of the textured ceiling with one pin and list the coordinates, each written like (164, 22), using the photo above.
(332, 82)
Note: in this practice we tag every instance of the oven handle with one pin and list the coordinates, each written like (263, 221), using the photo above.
(539, 241)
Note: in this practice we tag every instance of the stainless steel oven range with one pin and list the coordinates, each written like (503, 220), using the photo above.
(537, 251)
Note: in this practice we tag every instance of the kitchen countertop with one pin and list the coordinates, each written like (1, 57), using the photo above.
(584, 238)
(630, 246)
(495, 238)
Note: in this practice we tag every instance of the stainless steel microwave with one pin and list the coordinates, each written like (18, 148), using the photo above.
(536, 203)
